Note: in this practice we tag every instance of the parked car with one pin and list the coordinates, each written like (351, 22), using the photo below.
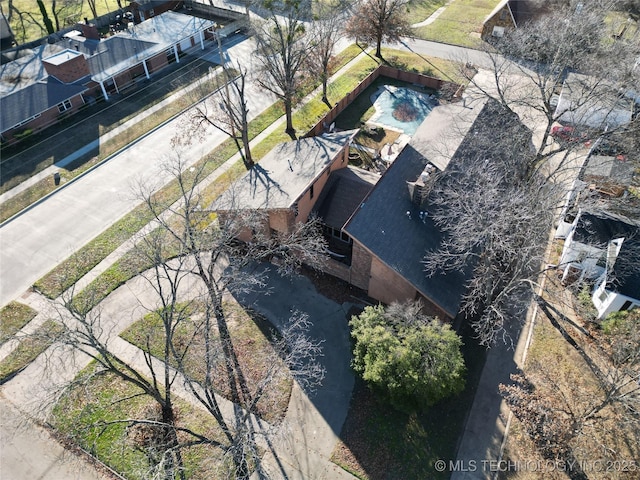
(568, 134)
(609, 149)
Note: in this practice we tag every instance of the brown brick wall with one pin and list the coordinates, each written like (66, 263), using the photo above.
(360, 266)
(387, 286)
(337, 269)
(157, 63)
(70, 71)
(497, 21)
(384, 70)
(46, 119)
(306, 203)
(281, 220)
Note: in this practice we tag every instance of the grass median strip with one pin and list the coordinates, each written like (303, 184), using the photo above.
(13, 317)
(27, 351)
(89, 415)
(254, 352)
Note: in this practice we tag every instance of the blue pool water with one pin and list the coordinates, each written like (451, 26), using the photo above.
(408, 104)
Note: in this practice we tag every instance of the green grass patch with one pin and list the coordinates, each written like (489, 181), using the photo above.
(420, 10)
(431, 66)
(251, 340)
(379, 442)
(459, 24)
(13, 317)
(82, 414)
(28, 350)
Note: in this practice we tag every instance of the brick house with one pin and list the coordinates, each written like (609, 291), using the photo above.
(377, 233)
(287, 182)
(46, 83)
(506, 16)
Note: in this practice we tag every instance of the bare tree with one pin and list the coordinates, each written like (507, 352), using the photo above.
(516, 185)
(225, 109)
(45, 17)
(555, 408)
(531, 65)
(222, 264)
(496, 222)
(283, 46)
(93, 8)
(380, 20)
(325, 31)
(65, 11)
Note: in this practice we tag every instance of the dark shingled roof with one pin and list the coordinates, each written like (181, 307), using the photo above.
(389, 225)
(343, 194)
(396, 231)
(625, 274)
(598, 230)
(34, 99)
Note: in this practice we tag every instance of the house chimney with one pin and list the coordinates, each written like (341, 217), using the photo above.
(67, 66)
(420, 189)
(89, 30)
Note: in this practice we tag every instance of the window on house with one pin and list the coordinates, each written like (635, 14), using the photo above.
(64, 106)
(603, 296)
(628, 305)
(498, 31)
(503, 14)
(311, 192)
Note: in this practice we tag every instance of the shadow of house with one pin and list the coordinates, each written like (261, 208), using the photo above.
(57, 79)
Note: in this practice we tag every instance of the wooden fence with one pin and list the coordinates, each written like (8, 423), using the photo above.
(385, 71)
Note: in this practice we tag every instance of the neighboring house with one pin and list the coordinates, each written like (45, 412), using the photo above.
(288, 181)
(506, 16)
(588, 102)
(602, 182)
(145, 9)
(55, 80)
(605, 250)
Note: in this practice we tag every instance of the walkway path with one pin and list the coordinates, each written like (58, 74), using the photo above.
(432, 17)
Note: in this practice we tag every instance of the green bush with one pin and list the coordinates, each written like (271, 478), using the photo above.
(412, 360)
(621, 322)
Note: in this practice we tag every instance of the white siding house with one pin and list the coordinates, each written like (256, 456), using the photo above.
(604, 250)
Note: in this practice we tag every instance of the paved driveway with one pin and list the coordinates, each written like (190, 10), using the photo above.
(314, 421)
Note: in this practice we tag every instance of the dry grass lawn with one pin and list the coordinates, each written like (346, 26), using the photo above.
(606, 447)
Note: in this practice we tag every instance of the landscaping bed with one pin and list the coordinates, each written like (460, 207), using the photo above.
(379, 442)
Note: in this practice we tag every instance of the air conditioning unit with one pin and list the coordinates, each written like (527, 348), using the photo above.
(498, 32)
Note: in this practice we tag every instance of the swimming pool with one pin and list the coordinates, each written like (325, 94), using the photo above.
(401, 108)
